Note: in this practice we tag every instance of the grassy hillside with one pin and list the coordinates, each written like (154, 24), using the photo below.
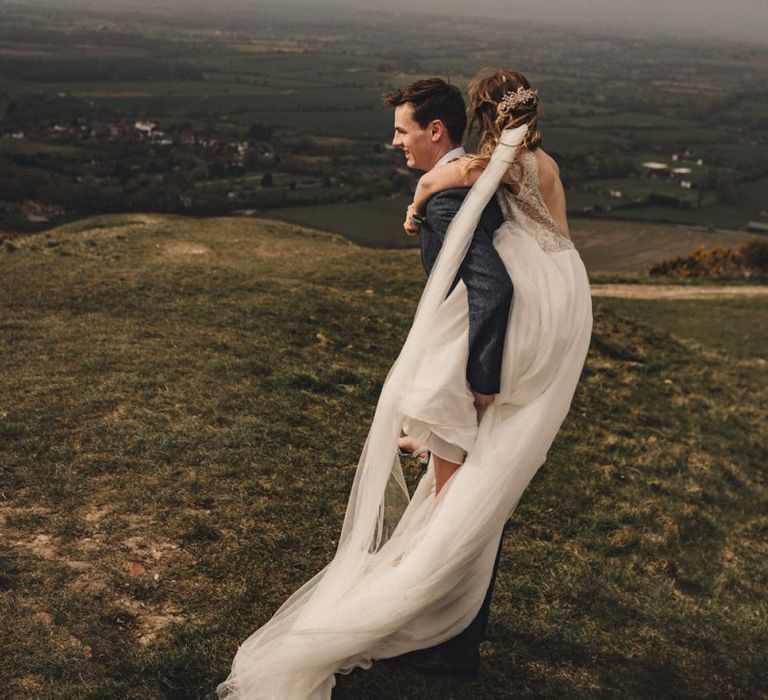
(182, 404)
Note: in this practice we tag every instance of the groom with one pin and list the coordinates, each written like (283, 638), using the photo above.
(430, 119)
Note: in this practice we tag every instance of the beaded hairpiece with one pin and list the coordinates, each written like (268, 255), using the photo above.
(514, 99)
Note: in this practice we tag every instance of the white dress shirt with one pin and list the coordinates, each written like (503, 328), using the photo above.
(451, 155)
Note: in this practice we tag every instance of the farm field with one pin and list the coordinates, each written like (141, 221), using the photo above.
(605, 246)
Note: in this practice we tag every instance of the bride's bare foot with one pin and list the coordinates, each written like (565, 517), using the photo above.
(407, 446)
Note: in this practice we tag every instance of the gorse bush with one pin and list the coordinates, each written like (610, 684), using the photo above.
(748, 259)
(754, 253)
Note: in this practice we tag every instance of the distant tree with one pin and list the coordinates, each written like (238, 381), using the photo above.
(217, 169)
(260, 132)
(251, 160)
(726, 187)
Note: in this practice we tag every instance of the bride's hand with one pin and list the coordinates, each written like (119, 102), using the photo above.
(483, 400)
(410, 226)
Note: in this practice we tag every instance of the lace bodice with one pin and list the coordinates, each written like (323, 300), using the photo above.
(527, 208)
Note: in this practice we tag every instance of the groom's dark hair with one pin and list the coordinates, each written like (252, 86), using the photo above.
(433, 98)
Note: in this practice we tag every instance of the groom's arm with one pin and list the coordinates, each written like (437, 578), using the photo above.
(489, 288)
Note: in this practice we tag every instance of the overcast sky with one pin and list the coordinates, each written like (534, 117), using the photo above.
(737, 19)
(734, 20)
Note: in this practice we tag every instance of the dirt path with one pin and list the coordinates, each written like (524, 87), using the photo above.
(649, 291)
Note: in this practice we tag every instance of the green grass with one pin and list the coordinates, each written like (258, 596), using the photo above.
(182, 404)
(605, 245)
(641, 187)
(372, 123)
(716, 214)
(571, 140)
(325, 66)
(630, 120)
(745, 202)
(732, 327)
(190, 88)
(28, 147)
(377, 223)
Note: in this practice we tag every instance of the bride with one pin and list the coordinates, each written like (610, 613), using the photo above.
(411, 572)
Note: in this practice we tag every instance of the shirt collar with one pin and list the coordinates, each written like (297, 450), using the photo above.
(451, 155)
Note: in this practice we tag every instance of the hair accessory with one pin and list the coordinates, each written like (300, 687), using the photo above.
(515, 98)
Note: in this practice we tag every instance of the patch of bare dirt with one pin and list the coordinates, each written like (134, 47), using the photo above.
(121, 415)
(149, 620)
(96, 514)
(270, 250)
(41, 545)
(63, 637)
(99, 563)
(142, 548)
(183, 249)
(648, 291)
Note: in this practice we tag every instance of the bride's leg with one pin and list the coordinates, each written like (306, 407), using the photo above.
(447, 457)
(443, 471)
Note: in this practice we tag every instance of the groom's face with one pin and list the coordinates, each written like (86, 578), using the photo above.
(417, 143)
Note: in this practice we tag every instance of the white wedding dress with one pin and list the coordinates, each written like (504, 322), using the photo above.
(411, 572)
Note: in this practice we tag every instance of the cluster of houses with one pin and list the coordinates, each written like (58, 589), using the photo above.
(758, 226)
(677, 173)
(33, 212)
(217, 147)
(149, 131)
(144, 131)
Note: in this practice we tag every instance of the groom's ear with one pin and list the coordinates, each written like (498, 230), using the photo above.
(436, 129)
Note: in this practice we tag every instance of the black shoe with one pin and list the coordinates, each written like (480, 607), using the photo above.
(444, 661)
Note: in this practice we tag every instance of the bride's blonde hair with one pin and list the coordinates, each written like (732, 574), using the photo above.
(486, 91)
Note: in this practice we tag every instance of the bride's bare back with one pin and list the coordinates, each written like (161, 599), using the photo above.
(551, 188)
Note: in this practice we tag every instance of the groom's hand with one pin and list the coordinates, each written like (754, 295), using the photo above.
(483, 400)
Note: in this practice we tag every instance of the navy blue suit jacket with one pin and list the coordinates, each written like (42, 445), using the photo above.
(489, 288)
